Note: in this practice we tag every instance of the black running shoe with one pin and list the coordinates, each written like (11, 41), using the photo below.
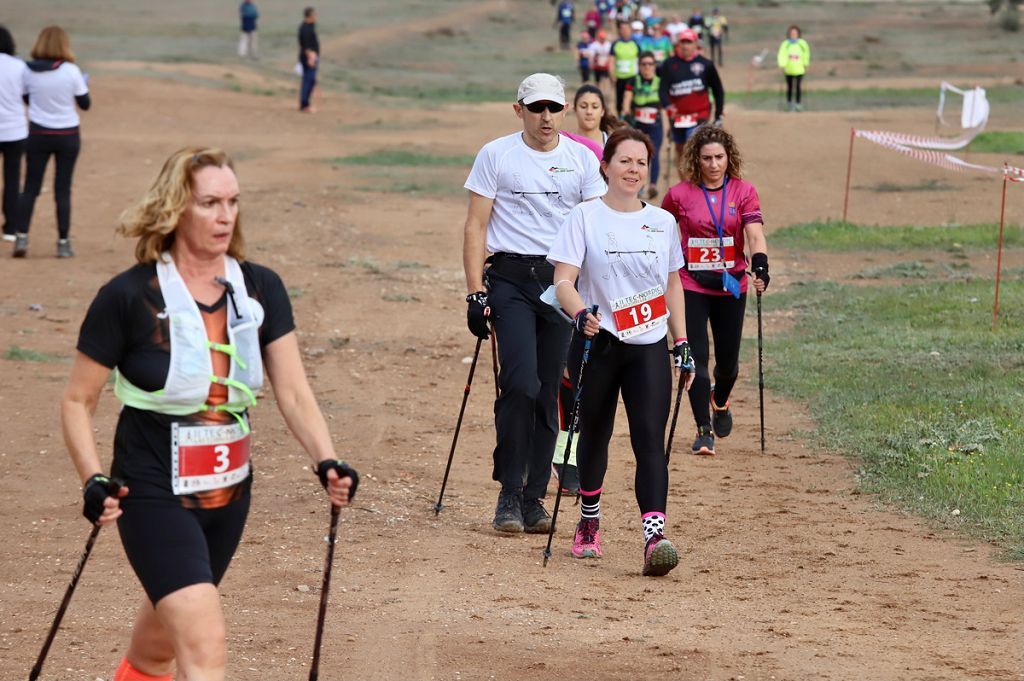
(536, 519)
(508, 516)
(721, 418)
(705, 442)
(570, 482)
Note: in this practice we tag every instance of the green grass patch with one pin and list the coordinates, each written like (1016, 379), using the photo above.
(896, 188)
(998, 142)
(914, 269)
(402, 157)
(847, 236)
(845, 99)
(911, 381)
(19, 354)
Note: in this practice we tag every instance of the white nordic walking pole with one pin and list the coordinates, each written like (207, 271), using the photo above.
(574, 419)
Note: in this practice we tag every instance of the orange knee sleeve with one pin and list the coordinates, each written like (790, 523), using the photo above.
(126, 672)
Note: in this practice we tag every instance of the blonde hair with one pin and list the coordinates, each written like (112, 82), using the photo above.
(53, 43)
(689, 160)
(154, 219)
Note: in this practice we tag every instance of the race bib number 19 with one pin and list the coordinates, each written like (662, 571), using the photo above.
(639, 312)
(206, 457)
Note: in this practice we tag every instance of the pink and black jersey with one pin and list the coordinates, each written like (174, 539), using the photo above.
(701, 246)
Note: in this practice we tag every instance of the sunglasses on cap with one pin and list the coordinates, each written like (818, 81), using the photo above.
(538, 107)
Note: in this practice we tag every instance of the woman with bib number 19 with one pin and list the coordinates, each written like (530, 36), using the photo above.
(625, 254)
(188, 331)
(718, 214)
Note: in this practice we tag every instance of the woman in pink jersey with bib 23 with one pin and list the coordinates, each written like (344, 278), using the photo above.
(719, 214)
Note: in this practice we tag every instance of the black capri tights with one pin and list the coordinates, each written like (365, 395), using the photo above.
(171, 547)
(725, 314)
(644, 375)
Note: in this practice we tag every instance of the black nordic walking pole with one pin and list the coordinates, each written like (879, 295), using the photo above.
(574, 418)
(675, 416)
(113, 487)
(494, 361)
(332, 537)
(760, 370)
(458, 425)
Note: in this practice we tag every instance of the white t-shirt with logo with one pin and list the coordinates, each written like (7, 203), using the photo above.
(532, 190)
(621, 256)
(13, 125)
(51, 96)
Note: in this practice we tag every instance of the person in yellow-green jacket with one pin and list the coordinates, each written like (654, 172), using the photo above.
(794, 58)
(624, 63)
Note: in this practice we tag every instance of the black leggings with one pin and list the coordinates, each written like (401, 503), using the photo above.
(12, 153)
(644, 375)
(726, 316)
(171, 547)
(64, 149)
(793, 83)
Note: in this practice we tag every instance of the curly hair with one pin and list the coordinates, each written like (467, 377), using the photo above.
(689, 160)
(154, 219)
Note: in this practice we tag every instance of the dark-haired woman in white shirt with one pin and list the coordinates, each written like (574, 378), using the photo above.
(13, 128)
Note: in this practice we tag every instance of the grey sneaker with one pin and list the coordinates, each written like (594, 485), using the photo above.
(64, 248)
(20, 245)
(536, 519)
(705, 442)
(508, 516)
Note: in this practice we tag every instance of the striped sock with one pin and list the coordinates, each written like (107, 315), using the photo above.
(654, 523)
(590, 505)
(126, 672)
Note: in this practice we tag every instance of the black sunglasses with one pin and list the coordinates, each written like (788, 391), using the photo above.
(538, 107)
(647, 63)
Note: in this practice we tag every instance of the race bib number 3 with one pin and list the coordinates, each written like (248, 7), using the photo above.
(639, 312)
(206, 457)
(707, 254)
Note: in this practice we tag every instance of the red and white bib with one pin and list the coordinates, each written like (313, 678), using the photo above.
(708, 253)
(208, 456)
(639, 312)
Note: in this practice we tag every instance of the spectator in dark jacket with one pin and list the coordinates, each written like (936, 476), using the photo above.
(248, 13)
(309, 58)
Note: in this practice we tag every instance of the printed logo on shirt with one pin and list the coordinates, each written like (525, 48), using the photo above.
(652, 230)
(696, 68)
(732, 207)
(556, 169)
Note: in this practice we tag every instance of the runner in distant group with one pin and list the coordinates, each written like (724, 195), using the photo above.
(626, 256)
(660, 43)
(309, 58)
(717, 30)
(56, 89)
(675, 28)
(794, 57)
(686, 78)
(719, 214)
(583, 56)
(696, 22)
(624, 62)
(601, 55)
(521, 188)
(644, 106)
(565, 17)
(13, 128)
(189, 331)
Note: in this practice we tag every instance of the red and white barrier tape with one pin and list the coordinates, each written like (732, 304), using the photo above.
(937, 158)
(922, 142)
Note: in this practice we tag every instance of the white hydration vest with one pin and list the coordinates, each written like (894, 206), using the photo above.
(191, 368)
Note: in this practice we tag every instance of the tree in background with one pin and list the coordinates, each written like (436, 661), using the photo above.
(1010, 13)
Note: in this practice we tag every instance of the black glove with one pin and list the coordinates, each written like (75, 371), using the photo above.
(344, 471)
(580, 322)
(96, 490)
(759, 265)
(681, 357)
(477, 314)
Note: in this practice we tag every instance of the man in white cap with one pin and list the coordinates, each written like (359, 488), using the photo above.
(521, 188)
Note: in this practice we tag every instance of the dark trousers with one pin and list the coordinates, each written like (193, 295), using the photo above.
(620, 93)
(64, 148)
(725, 315)
(308, 83)
(563, 35)
(793, 86)
(532, 342)
(12, 153)
(656, 132)
(643, 373)
(716, 47)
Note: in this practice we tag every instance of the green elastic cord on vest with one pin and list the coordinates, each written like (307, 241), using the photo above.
(237, 414)
(149, 401)
(237, 385)
(229, 350)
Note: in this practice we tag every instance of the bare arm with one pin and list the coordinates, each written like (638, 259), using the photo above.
(474, 243)
(570, 299)
(81, 395)
(676, 307)
(300, 410)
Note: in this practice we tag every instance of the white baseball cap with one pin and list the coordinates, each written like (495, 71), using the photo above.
(637, 25)
(542, 87)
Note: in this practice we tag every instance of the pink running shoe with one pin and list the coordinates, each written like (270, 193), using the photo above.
(587, 542)
(660, 556)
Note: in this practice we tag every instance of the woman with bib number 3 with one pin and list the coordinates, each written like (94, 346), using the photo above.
(625, 254)
(719, 214)
(188, 332)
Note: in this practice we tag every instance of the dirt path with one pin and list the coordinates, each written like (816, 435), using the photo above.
(787, 573)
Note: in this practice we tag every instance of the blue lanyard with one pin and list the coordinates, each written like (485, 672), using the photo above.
(720, 222)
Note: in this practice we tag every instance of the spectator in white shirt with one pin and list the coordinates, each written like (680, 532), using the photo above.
(13, 128)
